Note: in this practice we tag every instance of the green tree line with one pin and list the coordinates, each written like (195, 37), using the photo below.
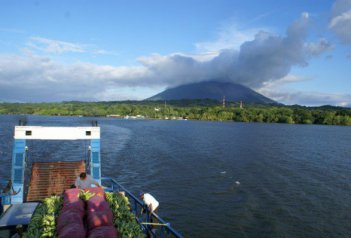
(190, 109)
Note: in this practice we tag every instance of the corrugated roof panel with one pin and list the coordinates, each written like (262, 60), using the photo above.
(49, 178)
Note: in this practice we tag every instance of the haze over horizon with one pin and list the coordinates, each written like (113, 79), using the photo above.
(293, 52)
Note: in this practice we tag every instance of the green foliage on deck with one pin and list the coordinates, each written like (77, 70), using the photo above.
(85, 195)
(43, 221)
(123, 219)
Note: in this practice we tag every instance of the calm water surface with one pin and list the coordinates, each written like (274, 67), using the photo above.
(295, 180)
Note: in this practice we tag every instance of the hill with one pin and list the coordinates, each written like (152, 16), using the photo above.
(199, 109)
(212, 90)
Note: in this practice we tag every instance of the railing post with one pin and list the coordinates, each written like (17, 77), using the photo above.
(17, 170)
(135, 208)
(147, 215)
(163, 232)
(95, 160)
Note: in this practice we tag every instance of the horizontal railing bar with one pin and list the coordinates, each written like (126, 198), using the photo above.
(168, 227)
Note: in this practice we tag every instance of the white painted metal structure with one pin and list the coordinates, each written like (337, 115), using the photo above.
(56, 133)
(24, 133)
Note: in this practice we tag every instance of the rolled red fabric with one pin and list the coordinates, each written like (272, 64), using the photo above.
(103, 232)
(70, 221)
(69, 217)
(71, 201)
(71, 195)
(96, 219)
(97, 204)
(75, 230)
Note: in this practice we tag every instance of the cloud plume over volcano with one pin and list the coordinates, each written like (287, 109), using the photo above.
(266, 58)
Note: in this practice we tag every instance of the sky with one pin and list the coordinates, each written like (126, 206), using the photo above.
(295, 52)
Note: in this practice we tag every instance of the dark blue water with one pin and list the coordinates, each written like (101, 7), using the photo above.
(295, 180)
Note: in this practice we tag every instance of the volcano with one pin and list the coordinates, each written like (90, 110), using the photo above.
(212, 90)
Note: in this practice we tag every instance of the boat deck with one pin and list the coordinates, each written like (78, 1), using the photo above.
(49, 178)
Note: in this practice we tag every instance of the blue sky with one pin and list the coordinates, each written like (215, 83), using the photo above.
(296, 52)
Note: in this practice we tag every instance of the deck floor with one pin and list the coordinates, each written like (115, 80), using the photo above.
(52, 178)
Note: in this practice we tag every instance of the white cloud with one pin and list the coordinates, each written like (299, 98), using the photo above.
(126, 93)
(319, 47)
(229, 36)
(278, 92)
(54, 46)
(34, 78)
(51, 47)
(310, 98)
(340, 21)
(276, 85)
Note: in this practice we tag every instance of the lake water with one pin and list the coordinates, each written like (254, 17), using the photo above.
(295, 180)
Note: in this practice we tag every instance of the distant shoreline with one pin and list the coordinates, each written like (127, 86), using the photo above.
(203, 110)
